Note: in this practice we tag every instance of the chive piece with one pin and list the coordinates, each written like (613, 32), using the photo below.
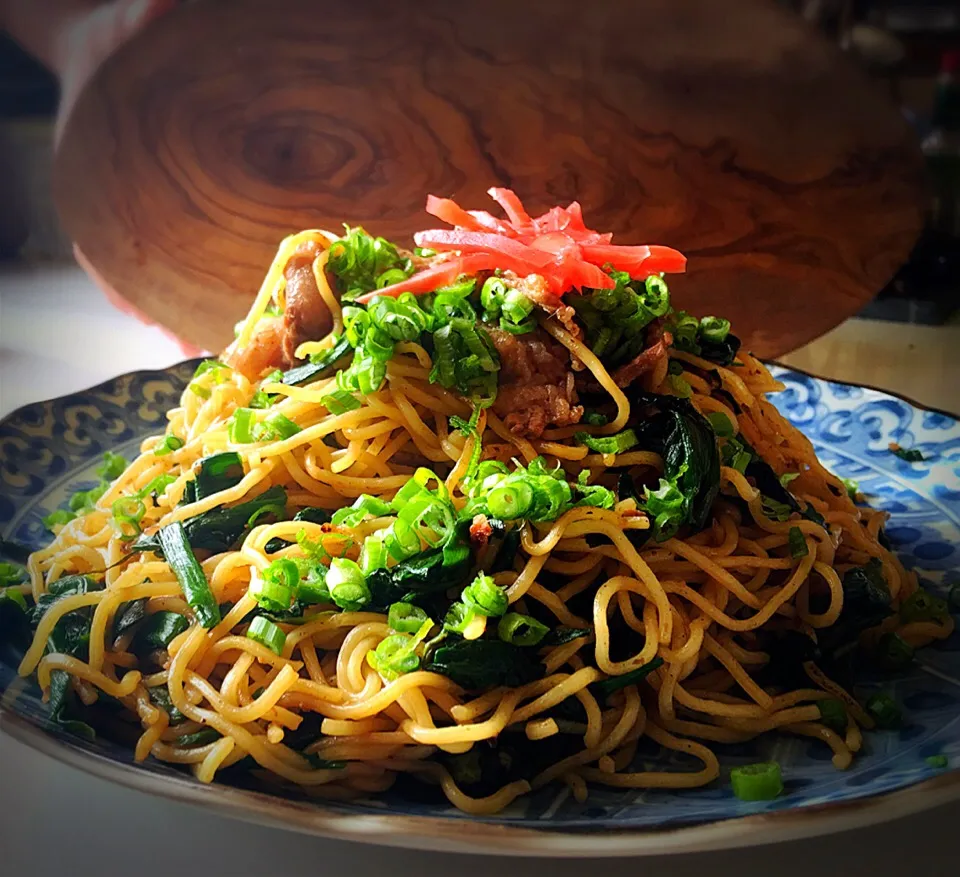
(14, 596)
(347, 584)
(595, 418)
(112, 466)
(340, 402)
(57, 518)
(775, 510)
(128, 512)
(12, 574)
(938, 761)
(186, 567)
(852, 486)
(458, 618)
(405, 617)
(833, 714)
(241, 426)
(203, 737)
(757, 782)
(169, 444)
(264, 631)
(276, 426)
(275, 588)
(521, 630)
(787, 477)
(611, 444)
(924, 606)
(395, 656)
(798, 543)
(893, 652)
(721, 424)
(714, 329)
(884, 710)
(631, 677)
(485, 597)
(160, 628)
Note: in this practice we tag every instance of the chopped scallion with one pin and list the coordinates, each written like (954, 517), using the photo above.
(405, 617)
(264, 631)
(169, 444)
(521, 630)
(884, 710)
(757, 782)
(611, 444)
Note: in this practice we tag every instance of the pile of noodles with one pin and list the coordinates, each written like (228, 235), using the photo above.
(695, 603)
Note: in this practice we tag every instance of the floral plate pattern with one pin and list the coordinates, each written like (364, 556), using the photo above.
(49, 450)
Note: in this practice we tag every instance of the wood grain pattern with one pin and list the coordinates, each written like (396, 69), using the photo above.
(727, 130)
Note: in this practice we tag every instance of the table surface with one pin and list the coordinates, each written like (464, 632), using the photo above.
(57, 820)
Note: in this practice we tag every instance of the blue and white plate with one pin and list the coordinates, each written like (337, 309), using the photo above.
(50, 450)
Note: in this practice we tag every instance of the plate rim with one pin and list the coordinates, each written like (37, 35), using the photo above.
(436, 834)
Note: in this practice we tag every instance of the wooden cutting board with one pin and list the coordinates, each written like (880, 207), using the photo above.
(728, 130)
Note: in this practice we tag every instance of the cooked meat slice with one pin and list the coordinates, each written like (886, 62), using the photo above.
(306, 316)
(536, 384)
(658, 342)
(263, 354)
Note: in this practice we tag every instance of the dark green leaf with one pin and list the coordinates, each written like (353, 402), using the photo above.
(213, 474)
(615, 683)
(560, 636)
(322, 366)
(221, 528)
(484, 663)
(128, 616)
(420, 575)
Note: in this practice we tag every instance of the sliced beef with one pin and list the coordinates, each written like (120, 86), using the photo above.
(658, 343)
(306, 316)
(536, 383)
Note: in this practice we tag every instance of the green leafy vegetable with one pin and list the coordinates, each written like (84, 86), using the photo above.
(631, 677)
(833, 714)
(798, 543)
(221, 528)
(322, 365)
(721, 424)
(910, 455)
(893, 652)
(484, 663)
(11, 574)
(213, 474)
(884, 711)
(193, 582)
(161, 628)
(691, 477)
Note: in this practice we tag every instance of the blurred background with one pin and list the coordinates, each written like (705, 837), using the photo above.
(911, 48)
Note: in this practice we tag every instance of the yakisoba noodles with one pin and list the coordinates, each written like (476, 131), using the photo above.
(490, 514)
